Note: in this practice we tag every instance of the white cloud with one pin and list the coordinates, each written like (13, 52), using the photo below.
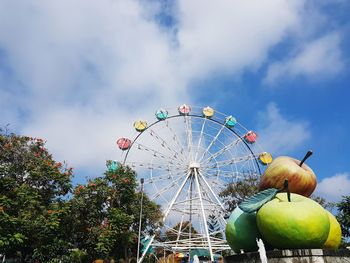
(231, 35)
(334, 187)
(318, 58)
(87, 70)
(278, 134)
(81, 72)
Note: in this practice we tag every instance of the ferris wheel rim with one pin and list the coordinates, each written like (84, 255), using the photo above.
(199, 117)
(186, 186)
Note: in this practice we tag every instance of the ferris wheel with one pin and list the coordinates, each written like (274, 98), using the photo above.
(186, 157)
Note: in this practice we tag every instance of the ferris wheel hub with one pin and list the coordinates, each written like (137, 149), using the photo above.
(194, 165)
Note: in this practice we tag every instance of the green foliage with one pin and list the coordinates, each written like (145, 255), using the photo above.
(237, 191)
(38, 222)
(77, 256)
(343, 215)
(32, 185)
(105, 215)
(214, 226)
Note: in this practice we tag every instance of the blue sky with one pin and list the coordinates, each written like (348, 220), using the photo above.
(79, 73)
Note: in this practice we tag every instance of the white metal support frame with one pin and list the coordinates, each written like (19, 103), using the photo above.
(203, 213)
(176, 196)
(212, 192)
(166, 214)
(186, 161)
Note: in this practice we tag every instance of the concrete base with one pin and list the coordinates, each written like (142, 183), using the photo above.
(294, 256)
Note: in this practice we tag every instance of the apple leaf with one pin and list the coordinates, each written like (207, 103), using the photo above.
(254, 202)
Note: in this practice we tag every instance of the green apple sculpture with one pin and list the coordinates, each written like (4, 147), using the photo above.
(298, 223)
(334, 236)
(300, 176)
(242, 231)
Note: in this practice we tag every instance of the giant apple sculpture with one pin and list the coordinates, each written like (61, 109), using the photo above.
(300, 176)
(334, 236)
(242, 231)
(300, 223)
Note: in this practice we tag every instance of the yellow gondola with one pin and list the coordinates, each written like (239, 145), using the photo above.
(265, 158)
(140, 126)
(208, 112)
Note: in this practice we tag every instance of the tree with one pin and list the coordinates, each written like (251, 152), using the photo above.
(343, 215)
(105, 215)
(40, 222)
(237, 191)
(214, 226)
(32, 209)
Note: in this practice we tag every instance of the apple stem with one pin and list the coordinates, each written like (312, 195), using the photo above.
(285, 184)
(307, 155)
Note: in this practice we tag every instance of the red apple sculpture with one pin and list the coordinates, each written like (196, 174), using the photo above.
(301, 178)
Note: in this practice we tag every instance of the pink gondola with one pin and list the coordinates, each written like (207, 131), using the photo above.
(250, 137)
(184, 109)
(124, 143)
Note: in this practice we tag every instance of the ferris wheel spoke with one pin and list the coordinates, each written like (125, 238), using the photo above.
(214, 173)
(222, 151)
(244, 166)
(231, 161)
(212, 143)
(224, 176)
(217, 176)
(161, 192)
(189, 136)
(200, 138)
(159, 176)
(155, 166)
(175, 138)
(155, 152)
(165, 144)
(162, 177)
